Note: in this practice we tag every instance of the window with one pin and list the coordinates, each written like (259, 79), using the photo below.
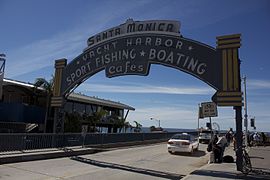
(80, 108)
(69, 107)
(181, 136)
(90, 109)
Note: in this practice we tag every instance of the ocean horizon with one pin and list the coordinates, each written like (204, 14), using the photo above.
(147, 130)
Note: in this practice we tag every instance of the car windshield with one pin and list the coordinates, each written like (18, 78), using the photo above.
(205, 132)
(181, 136)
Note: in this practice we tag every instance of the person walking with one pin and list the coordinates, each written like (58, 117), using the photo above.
(215, 149)
(256, 138)
(228, 136)
(221, 143)
(251, 139)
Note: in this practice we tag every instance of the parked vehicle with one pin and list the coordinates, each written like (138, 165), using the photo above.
(205, 136)
(182, 143)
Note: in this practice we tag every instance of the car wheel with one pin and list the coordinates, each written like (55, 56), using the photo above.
(170, 152)
(192, 150)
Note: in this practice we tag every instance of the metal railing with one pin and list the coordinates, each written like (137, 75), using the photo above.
(23, 142)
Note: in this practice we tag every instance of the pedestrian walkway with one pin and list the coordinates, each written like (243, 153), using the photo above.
(22, 156)
(260, 159)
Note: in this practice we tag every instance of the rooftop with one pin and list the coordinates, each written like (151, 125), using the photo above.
(94, 100)
(75, 96)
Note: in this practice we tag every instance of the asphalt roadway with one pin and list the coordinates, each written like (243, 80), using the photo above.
(140, 162)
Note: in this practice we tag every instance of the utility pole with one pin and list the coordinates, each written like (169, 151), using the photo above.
(211, 127)
(2, 71)
(199, 115)
(245, 108)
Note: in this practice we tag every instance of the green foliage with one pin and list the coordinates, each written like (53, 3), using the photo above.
(120, 123)
(43, 83)
(138, 127)
(127, 125)
(48, 86)
(73, 122)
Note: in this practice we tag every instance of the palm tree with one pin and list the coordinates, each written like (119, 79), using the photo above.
(138, 127)
(96, 117)
(48, 87)
(127, 125)
(120, 122)
(73, 122)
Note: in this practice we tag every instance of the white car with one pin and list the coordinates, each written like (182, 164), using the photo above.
(205, 136)
(182, 143)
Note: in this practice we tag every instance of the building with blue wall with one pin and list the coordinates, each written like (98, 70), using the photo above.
(23, 108)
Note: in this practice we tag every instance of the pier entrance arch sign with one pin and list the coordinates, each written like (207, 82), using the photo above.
(131, 48)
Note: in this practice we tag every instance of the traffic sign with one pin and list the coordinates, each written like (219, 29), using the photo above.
(209, 109)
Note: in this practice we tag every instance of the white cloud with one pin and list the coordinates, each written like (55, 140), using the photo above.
(182, 116)
(142, 88)
(258, 84)
(168, 116)
(42, 53)
(67, 44)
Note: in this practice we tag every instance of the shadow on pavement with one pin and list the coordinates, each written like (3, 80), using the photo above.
(150, 172)
(212, 173)
(256, 157)
(264, 170)
(195, 154)
(230, 175)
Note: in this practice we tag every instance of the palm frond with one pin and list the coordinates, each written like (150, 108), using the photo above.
(43, 83)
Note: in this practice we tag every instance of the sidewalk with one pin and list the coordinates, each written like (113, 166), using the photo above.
(260, 159)
(22, 156)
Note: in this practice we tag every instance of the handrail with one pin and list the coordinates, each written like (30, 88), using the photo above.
(31, 141)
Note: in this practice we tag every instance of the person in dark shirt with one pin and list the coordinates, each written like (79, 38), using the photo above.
(212, 146)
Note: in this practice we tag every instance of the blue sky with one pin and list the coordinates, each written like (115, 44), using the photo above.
(33, 33)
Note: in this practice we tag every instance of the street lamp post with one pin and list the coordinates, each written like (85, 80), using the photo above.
(156, 120)
(245, 108)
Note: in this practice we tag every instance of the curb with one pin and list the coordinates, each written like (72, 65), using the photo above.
(46, 155)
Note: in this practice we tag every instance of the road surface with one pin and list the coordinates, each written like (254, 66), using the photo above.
(133, 163)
